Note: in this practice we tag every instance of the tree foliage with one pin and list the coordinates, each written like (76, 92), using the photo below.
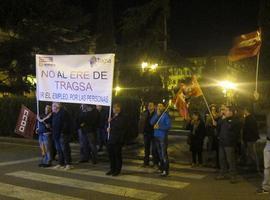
(44, 27)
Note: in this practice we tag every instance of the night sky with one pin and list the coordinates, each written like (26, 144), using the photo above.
(202, 27)
(207, 27)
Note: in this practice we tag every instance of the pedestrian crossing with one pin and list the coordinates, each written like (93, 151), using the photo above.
(87, 185)
(18, 192)
(132, 178)
(146, 185)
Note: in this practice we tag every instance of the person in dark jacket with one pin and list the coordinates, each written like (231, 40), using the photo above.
(90, 127)
(148, 131)
(45, 136)
(61, 130)
(228, 139)
(250, 137)
(196, 137)
(83, 139)
(116, 131)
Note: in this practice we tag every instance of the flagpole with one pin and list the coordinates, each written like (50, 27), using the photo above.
(206, 103)
(257, 71)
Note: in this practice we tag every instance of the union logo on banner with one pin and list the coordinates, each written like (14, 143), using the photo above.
(26, 123)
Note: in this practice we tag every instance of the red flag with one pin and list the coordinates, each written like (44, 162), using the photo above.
(195, 89)
(181, 104)
(26, 123)
(246, 45)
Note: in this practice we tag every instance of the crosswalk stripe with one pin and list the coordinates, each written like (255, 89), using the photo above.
(87, 185)
(172, 173)
(19, 161)
(174, 165)
(132, 178)
(30, 194)
(152, 170)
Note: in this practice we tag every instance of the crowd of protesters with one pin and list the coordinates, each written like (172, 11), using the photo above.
(96, 129)
(227, 134)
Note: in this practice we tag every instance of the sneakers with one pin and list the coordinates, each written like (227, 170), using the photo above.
(68, 167)
(262, 191)
(164, 174)
(58, 167)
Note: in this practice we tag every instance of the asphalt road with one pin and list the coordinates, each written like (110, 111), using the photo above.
(21, 178)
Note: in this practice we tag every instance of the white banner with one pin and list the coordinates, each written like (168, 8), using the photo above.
(84, 79)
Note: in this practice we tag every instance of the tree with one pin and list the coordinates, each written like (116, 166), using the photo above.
(44, 27)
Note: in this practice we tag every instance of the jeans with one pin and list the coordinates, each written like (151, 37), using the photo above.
(149, 146)
(266, 156)
(84, 145)
(115, 157)
(45, 142)
(161, 145)
(102, 135)
(63, 149)
(251, 154)
(92, 145)
(227, 160)
(195, 155)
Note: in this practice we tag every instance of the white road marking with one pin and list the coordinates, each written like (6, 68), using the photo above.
(15, 162)
(87, 185)
(30, 194)
(132, 178)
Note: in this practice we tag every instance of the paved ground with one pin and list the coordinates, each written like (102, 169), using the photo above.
(20, 178)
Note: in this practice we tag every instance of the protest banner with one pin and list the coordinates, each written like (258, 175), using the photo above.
(26, 123)
(84, 79)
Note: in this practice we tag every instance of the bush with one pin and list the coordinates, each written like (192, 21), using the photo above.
(10, 108)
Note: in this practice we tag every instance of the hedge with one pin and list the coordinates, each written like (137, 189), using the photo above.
(10, 108)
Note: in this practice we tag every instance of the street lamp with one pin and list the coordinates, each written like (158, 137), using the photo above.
(117, 90)
(228, 88)
(144, 65)
(154, 67)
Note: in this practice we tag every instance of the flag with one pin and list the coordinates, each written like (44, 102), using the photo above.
(26, 123)
(181, 104)
(245, 46)
(195, 88)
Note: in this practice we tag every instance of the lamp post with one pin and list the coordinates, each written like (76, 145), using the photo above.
(117, 90)
(228, 89)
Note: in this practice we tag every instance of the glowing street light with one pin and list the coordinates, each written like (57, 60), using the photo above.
(144, 65)
(154, 67)
(117, 90)
(228, 90)
(227, 85)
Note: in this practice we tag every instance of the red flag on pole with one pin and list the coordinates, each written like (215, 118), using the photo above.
(195, 88)
(26, 123)
(245, 46)
(181, 104)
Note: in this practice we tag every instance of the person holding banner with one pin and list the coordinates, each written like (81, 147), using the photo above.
(162, 123)
(61, 135)
(45, 136)
(116, 131)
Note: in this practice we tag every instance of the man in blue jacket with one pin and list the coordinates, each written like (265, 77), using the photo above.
(162, 123)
